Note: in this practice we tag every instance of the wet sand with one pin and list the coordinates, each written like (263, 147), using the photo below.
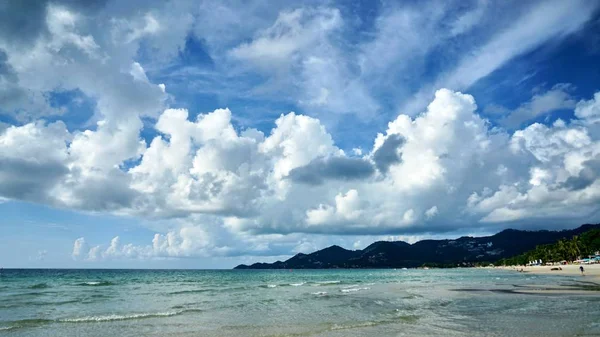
(576, 283)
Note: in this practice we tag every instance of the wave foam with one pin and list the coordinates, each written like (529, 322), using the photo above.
(93, 319)
(351, 290)
(108, 318)
(96, 283)
(320, 293)
(354, 325)
(191, 291)
(330, 282)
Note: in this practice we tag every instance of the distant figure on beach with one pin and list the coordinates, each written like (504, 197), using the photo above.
(581, 269)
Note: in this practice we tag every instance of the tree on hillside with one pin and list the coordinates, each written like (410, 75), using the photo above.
(570, 250)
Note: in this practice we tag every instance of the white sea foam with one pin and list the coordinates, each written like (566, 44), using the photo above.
(322, 283)
(320, 293)
(351, 290)
(96, 283)
(108, 318)
(271, 286)
(297, 284)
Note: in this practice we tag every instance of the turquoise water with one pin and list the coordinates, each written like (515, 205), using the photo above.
(458, 302)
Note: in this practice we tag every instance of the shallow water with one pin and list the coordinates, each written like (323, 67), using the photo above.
(457, 302)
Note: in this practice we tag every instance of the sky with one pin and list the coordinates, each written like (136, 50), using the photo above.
(204, 134)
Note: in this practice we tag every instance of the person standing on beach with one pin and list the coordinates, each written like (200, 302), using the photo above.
(581, 269)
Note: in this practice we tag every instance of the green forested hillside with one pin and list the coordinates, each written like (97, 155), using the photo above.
(565, 249)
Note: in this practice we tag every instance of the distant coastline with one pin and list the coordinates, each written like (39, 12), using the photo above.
(461, 252)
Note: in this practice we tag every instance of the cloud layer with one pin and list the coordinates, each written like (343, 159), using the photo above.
(216, 186)
(455, 172)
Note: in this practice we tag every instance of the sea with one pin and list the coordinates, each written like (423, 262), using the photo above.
(391, 302)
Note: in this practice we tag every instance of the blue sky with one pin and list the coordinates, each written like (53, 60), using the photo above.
(187, 134)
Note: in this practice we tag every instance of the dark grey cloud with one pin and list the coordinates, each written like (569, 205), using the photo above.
(387, 154)
(107, 193)
(587, 176)
(32, 180)
(7, 72)
(28, 179)
(23, 21)
(335, 168)
(10, 91)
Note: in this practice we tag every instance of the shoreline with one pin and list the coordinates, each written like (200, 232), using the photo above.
(586, 283)
(574, 284)
(591, 271)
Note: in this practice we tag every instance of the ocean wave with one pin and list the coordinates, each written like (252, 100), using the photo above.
(37, 303)
(110, 318)
(25, 323)
(355, 325)
(351, 290)
(191, 310)
(58, 303)
(39, 286)
(326, 283)
(32, 294)
(93, 319)
(11, 305)
(320, 293)
(364, 324)
(191, 291)
(268, 285)
(96, 283)
(297, 284)
(408, 318)
(100, 296)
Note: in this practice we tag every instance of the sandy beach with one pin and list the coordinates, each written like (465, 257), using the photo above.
(575, 284)
(592, 271)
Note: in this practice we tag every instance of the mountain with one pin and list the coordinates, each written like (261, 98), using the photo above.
(398, 254)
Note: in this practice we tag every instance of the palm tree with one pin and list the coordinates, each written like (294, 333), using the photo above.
(561, 250)
(574, 247)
